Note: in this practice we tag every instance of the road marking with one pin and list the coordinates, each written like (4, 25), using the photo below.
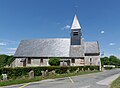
(88, 76)
(25, 85)
(71, 80)
(108, 80)
(85, 86)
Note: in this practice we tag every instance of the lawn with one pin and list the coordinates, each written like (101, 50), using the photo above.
(116, 83)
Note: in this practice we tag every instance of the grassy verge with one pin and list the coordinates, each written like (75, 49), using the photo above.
(116, 83)
(39, 78)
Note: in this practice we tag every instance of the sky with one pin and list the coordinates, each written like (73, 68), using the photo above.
(34, 19)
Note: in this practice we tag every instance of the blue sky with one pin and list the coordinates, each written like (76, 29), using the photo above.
(34, 19)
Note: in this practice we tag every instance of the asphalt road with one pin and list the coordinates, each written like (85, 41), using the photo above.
(95, 80)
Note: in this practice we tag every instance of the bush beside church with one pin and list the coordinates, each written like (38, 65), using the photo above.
(23, 71)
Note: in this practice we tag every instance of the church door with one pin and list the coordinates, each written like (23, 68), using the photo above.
(24, 63)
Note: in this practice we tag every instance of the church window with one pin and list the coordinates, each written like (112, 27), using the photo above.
(75, 33)
(81, 61)
(90, 61)
(29, 60)
(41, 60)
(73, 60)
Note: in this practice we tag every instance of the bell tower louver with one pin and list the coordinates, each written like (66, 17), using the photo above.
(76, 32)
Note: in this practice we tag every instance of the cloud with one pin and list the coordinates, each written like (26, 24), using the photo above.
(102, 32)
(111, 44)
(3, 44)
(66, 27)
(12, 49)
(10, 53)
(118, 48)
(7, 42)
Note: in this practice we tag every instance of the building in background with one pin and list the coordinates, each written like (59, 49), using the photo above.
(72, 51)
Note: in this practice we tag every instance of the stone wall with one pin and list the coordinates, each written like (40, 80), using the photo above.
(95, 60)
(17, 63)
(77, 63)
(34, 62)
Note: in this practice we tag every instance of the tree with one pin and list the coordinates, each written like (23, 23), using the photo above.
(54, 61)
(105, 61)
(112, 60)
(5, 60)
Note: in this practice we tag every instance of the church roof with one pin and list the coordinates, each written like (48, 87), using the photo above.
(56, 47)
(44, 48)
(76, 51)
(91, 47)
(75, 24)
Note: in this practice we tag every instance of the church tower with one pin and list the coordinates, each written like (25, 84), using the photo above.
(76, 32)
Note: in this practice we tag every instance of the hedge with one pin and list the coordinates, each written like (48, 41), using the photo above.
(108, 68)
(23, 71)
(117, 66)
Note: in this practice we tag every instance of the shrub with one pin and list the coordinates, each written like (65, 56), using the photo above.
(61, 70)
(108, 68)
(54, 61)
(117, 66)
(23, 71)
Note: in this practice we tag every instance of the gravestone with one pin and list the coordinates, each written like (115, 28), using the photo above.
(31, 74)
(53, 72)
(43, 73)
(82, 69)
(77, 70)
(88, 69)
(68, 71)
(4, 77)
(46, 73)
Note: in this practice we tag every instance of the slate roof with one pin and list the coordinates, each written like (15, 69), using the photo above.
(91, 47)
(56, 47)
(76, 51)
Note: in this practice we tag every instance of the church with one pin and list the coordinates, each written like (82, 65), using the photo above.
(73, 51)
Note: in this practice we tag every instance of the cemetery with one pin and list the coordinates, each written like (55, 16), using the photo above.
(19, 75)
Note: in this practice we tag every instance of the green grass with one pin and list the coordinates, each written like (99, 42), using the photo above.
(39, 78)
(116, 83)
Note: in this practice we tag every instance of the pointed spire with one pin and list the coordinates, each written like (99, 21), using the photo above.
(75, 24)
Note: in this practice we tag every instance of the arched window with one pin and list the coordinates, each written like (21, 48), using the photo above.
(41, 60)
(29, 60)
(73, 60)
(90, 61)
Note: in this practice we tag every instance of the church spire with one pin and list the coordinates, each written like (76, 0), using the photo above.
(76, 34)
(75, 24)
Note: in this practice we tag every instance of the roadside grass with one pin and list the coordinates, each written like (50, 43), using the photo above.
(39, 78)
(116, 83)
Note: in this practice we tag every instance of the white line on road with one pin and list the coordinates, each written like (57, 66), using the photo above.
(25, 85)
(108, 80)
(85, 86)
(71, 80)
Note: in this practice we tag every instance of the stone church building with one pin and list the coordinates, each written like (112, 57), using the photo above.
(73, 51)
